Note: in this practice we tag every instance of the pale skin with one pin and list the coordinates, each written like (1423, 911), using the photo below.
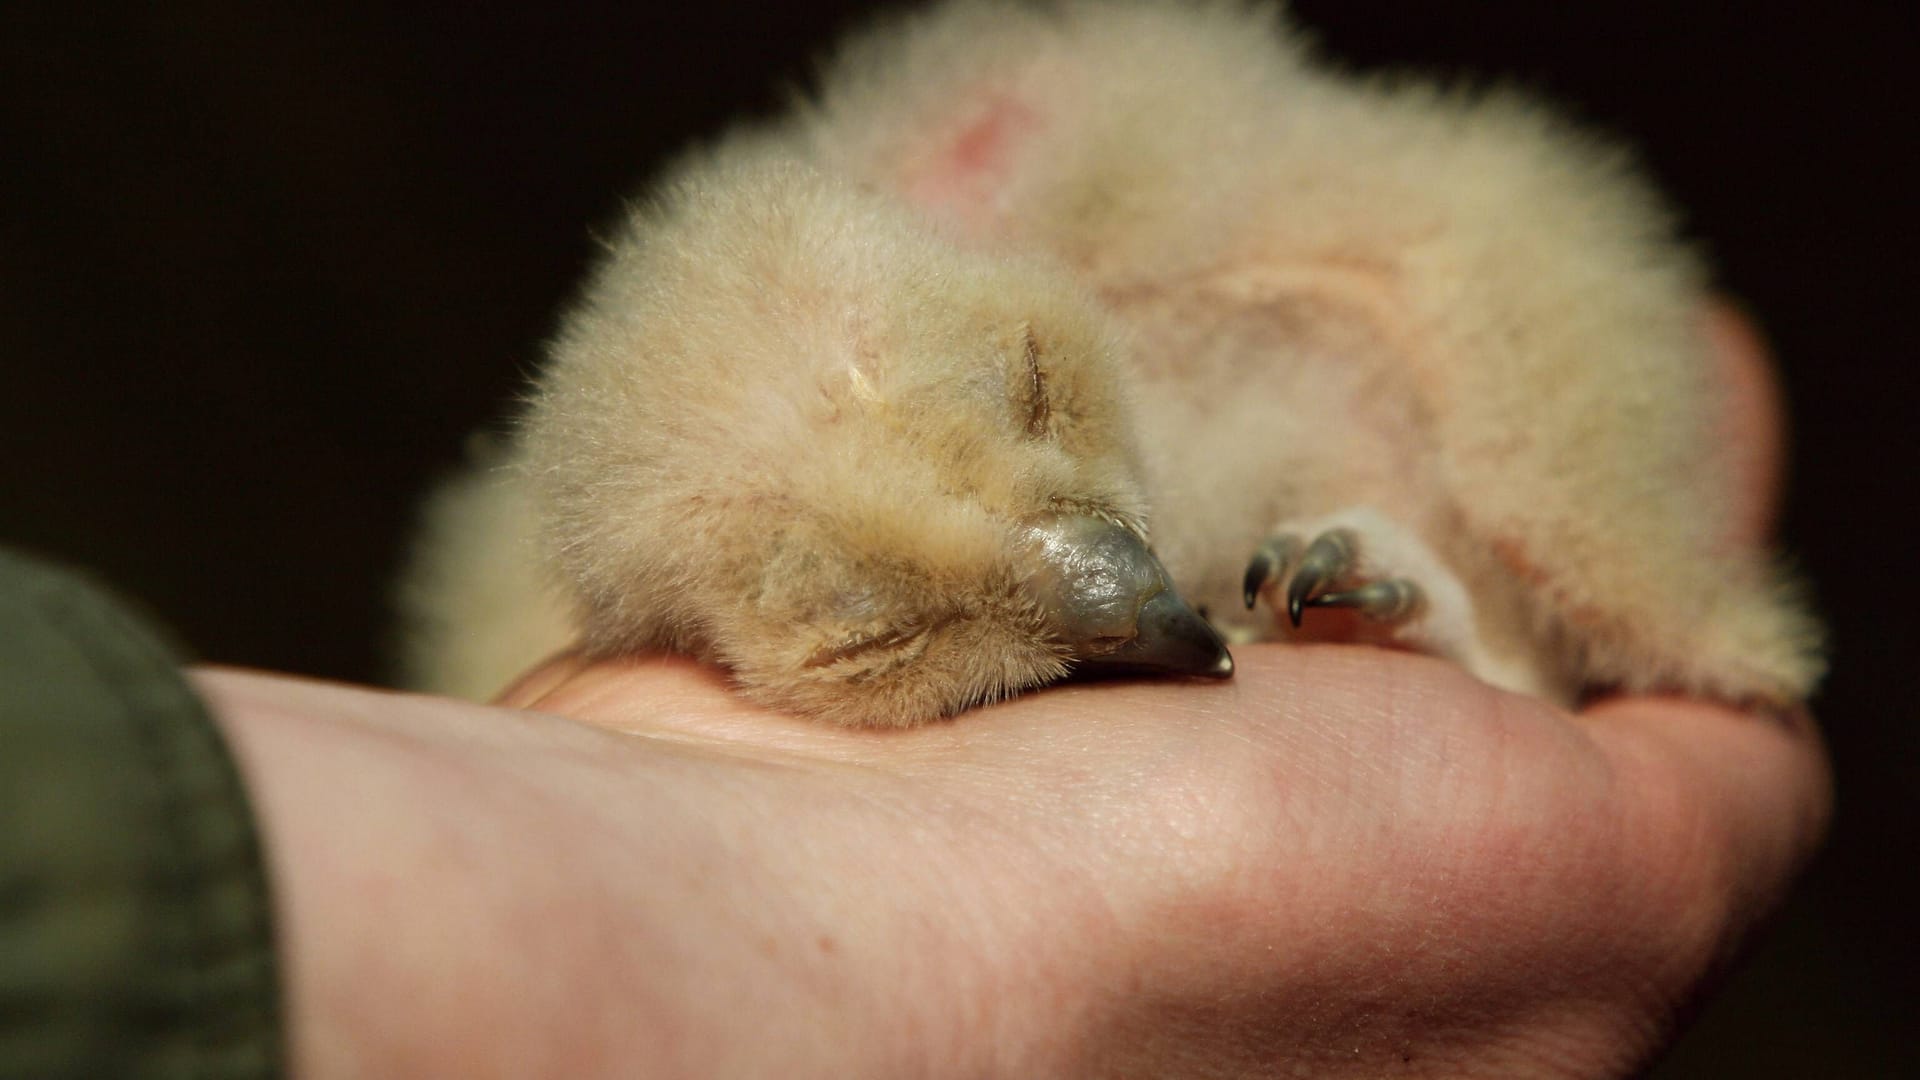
(1345, 861)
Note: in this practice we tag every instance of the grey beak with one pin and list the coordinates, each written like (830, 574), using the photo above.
(1172, 638)
(1112, 604)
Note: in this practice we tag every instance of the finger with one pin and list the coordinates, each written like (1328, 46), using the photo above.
(1751, 428)
(625, 693)
(1729, 805)
(675, 698)
(543, 679)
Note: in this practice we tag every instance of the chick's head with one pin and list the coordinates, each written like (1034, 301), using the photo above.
(880, 479)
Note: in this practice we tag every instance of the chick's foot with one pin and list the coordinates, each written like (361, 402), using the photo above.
(1361, 576)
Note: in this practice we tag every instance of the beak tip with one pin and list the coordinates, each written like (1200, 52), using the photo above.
(1174, 640)
(1223, 668)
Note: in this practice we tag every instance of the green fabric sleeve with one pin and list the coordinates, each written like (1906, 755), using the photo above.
(135, 923)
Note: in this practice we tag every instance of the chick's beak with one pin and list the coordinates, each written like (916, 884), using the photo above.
(1171, 637)
(1111, 602)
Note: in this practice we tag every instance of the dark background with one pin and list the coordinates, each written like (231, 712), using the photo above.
(262, 270)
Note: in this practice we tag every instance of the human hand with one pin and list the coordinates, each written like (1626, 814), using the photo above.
(1395, 858)
(1344, 862)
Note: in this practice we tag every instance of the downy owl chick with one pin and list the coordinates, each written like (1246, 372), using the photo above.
(880, 408)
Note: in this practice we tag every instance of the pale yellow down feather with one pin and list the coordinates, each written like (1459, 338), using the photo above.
(792, 416)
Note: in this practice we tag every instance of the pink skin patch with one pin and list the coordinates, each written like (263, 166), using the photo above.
(960, 178)
(1751, 428)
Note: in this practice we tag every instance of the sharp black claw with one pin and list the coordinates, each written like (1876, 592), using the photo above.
(1257, 572)
(1327, 559)
(1383, 601)
(1269, 564)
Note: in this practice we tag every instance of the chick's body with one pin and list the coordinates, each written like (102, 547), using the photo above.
(1142, 264)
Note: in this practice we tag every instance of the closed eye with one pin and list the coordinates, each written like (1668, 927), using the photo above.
(1039, 407)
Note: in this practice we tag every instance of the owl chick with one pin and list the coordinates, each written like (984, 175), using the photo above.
(1038, 319)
